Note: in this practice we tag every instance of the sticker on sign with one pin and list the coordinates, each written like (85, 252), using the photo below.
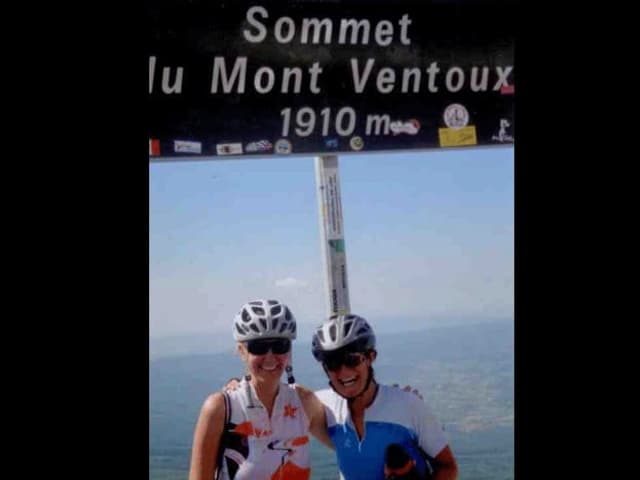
(229, 148)
(186, 146)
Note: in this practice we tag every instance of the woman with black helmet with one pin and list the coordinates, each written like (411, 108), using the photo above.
(364, 418)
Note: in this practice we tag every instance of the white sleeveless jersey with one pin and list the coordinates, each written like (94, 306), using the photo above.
(263, 448)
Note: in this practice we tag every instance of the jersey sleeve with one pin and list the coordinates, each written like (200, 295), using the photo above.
(431, 436)
(330, 402)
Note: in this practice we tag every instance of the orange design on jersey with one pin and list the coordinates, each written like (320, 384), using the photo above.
(291, 471)
(247, 428)
(244, 428)
(290, 410)
(296, 442)
(261, 433)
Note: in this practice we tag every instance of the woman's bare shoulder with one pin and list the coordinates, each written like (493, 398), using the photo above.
(213, 406)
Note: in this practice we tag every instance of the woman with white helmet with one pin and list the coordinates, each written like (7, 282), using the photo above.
(260, 430)
(392, 418)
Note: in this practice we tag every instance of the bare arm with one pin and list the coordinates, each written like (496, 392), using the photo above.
(314, 409)
(446, 467)
(206, 438)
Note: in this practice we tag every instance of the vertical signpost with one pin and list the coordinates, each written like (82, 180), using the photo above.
(332, 235)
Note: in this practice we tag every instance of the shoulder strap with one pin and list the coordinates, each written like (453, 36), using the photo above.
(221, 444)
(227, 408)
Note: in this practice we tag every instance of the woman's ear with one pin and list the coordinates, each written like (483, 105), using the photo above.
(373, 354)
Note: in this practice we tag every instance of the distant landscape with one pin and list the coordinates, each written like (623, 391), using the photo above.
(465, 373)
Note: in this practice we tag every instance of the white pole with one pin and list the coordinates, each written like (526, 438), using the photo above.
(332, 235)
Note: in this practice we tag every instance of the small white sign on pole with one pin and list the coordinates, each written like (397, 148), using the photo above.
(332, 235)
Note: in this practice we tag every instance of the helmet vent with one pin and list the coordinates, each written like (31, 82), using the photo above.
(362, 330)
(332, 332)
(347, 328)
(264, 318)
(320, 335)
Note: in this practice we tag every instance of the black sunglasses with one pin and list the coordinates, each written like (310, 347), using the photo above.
(348, 359)
(278, 346)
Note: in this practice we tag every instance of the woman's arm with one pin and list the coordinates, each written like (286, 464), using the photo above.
(446, 467)
(314, 409)
(432, 439)
(206, 438)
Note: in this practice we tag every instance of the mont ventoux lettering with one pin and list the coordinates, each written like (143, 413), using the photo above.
(229, 76)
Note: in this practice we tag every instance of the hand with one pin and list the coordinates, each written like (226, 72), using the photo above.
(231, 385)
(407, 388)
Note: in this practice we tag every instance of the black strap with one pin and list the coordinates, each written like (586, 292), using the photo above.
(430, 462)
(227, 408)
(221, 444)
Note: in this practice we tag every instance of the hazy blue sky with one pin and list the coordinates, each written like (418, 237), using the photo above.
(428, 235)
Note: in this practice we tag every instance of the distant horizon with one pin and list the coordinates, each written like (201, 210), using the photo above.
(383, 331)
(210, 343)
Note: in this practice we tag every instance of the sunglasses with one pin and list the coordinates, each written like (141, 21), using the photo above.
(278, 346)
(348, 359)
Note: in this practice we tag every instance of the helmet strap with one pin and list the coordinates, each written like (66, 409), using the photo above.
(370, 379)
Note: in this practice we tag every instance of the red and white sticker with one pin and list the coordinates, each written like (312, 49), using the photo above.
(410, 127)
(259, 146)
(229, 148)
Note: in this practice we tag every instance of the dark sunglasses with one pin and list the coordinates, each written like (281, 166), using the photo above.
(348, 359)
(278, 346)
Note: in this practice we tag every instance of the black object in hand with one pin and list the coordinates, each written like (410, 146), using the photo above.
(398, 464)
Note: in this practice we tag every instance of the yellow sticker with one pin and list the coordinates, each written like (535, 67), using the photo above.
(455, 137)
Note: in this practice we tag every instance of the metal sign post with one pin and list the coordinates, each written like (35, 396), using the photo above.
(332, 235)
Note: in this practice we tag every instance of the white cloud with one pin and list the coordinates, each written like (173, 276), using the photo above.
(291, 282)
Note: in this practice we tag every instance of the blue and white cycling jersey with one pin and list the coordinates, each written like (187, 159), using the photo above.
(395, 416)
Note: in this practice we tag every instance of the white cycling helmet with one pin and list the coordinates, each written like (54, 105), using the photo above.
(264, 319)
(341, 331)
